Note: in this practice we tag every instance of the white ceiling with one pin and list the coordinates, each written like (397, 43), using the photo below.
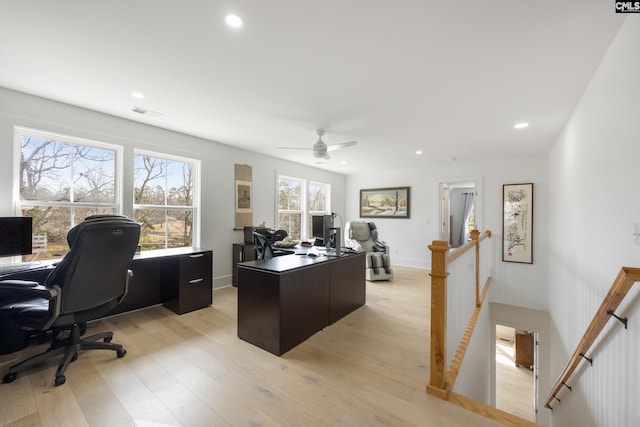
(448, 78)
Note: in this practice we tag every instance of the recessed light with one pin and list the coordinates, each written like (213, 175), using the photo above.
(418, 152)
(344, 162)
(521, 125)
(137, 95)
(234, 21)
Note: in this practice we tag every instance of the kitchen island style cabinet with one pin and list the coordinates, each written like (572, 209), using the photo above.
(284, 300)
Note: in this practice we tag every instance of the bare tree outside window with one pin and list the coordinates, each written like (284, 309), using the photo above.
(299, 199)
(163, 201)
(62, 181)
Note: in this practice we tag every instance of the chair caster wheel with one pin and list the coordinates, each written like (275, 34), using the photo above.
(121, 353)
(107, 339)
(9, 378)
(60, 379)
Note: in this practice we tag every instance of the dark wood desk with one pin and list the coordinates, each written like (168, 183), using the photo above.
(241, 253)
(179, 278)
(285, 300)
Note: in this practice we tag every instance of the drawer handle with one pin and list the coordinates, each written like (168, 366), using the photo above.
(196, 281)
(196, 256)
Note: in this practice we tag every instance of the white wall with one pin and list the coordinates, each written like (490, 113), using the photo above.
(594, 171)
(514, 284)
(218, 160)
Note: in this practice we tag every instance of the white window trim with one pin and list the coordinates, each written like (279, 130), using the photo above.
(304, 212)
(19, 132)
(196, 190)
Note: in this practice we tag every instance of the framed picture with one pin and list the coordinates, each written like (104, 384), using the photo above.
(243, 196)
(517, 223)
(384, 203)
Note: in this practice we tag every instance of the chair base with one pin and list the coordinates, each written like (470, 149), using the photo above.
(70, 348)
(372, 276)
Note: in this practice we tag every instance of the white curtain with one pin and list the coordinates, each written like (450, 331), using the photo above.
(467, 207)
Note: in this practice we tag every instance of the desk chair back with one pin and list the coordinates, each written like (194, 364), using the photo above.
(93, 276)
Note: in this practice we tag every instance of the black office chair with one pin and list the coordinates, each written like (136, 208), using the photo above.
(264, 250)
(279, 235)
(85, 285)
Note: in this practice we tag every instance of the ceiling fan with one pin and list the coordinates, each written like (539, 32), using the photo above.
(320, 149)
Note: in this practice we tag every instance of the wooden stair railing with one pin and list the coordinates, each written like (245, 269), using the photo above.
(619, 289)
(441, 380)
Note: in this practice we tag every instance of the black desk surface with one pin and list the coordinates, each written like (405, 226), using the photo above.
(280, 264)
(158, 253)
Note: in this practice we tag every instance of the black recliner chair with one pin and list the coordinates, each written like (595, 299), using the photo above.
(85, 285)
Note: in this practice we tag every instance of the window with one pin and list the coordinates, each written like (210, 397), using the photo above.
(298, 200)
(61, 181)
(164, 200)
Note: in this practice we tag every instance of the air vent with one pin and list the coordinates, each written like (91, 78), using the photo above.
(146, 112)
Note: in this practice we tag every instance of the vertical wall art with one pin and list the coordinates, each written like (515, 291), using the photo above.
(517, 223)
(243, 195)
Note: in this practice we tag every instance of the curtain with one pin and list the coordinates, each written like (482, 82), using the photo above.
(467, 207)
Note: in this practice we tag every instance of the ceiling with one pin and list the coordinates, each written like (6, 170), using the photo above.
(448, 78)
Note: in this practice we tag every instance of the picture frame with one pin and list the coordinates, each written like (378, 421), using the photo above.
(517, 223)
(243, 197)
(392, 202)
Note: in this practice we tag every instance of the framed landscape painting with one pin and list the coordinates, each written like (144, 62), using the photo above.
(517, 223)
(384, 203)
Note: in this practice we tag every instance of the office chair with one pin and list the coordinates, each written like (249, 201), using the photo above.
(279, 235)
(363, 236)
(85, 285)
(264, 250)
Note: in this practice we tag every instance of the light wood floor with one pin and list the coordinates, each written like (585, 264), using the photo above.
(514, 385)
(368, 369)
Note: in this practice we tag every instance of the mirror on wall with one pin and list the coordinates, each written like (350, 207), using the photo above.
(460, 209)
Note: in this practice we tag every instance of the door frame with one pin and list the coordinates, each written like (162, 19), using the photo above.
(455, 182)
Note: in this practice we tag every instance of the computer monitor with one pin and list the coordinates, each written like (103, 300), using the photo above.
(16, 236)
(320, 229)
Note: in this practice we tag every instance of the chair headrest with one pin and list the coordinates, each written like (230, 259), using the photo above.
(360, 230)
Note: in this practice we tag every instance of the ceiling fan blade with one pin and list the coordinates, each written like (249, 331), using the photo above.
(295, 148)
(334, 147)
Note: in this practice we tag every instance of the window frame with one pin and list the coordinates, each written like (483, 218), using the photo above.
(305, 213)
(195, 207)
(19, 204)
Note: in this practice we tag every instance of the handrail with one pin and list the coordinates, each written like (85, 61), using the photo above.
(619, 289)
(439, 383)
(453, 255)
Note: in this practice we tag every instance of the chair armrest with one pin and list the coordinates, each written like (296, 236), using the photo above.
(15, 288)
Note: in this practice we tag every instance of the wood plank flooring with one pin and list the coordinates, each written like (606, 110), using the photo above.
(514, 385)
(368, 369)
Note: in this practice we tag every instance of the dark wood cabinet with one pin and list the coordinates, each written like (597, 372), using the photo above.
(181, 279)
(284, 300)
(195, 283)
(241, 253)
(524, 349)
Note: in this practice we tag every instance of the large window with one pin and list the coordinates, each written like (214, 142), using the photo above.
(61, 181)
(165, 200)
(298, 200)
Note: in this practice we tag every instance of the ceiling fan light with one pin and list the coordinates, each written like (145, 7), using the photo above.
(320, 149)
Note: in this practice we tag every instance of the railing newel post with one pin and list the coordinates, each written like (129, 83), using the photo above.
(437, 381)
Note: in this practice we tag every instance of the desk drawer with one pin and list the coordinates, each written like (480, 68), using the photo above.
(194, 283)
(195, 266)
